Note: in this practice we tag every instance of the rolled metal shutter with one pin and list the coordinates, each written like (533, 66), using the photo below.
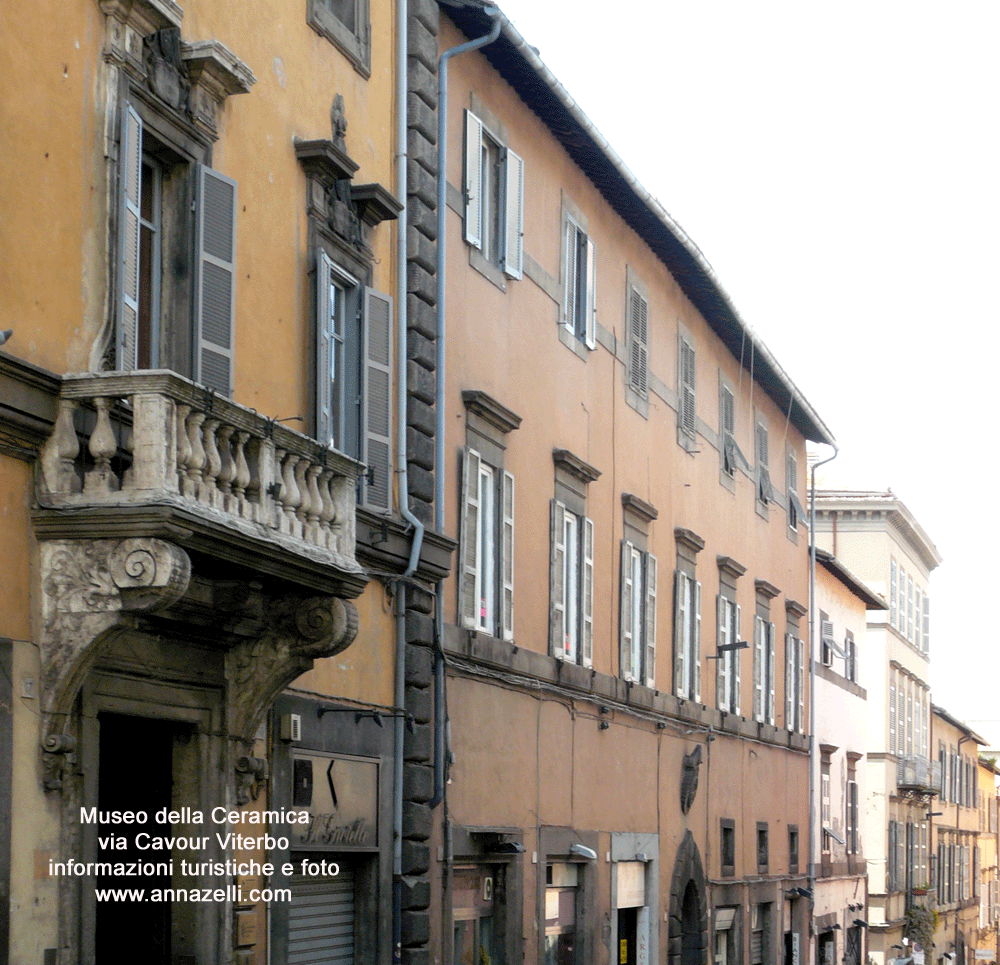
(321, 920)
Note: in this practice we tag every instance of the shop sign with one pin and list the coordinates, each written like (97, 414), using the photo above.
(985, 955)
(341, 796)
(631, 884)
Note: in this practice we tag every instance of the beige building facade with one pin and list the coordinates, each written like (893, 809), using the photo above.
(989, 860)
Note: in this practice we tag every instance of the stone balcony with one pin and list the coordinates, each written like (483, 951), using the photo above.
(918, 775)
(152, 454)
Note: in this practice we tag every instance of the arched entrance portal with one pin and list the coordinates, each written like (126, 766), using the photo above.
(688, 908)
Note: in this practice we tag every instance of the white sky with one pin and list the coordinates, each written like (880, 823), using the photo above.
(837, 165)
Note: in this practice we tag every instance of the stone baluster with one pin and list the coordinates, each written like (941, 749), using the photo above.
(183, 445)
(102, 446)
(241, 476)
(227, 471)
(61, 450)
(327, 513)
(213, 462)
(290, 497)
(128, 445)
(305, 504)
(312, 532)
(196, 460)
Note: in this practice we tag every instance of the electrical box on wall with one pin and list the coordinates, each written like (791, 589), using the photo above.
(291, 727)
(487, 889)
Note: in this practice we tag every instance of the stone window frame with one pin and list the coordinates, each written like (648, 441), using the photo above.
(572, 217)
(354, 44)
(686, 621)
(763, 847)
(637, 516)
(728, 625)
(794, 848)
(727, 869)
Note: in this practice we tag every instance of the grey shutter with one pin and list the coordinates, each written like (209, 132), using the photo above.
(696, 642)
(680, 633)
(557, 564)
(469, 539)
(591, 329)
(626, 630)
(770, 673)
(513, 214)
(790, 680)
(736, 662)
(650, 620)
(321, 919)
(800, 646)
(570, 281)
(473, 180)
(507, 563)
(722, 675)
(638, 334)
(927, 624)
(758, 668)
(377, 398)
(587, 593)
(324, 350)
(130, 187)
(215, 288)
(892, 716)
(687, 380)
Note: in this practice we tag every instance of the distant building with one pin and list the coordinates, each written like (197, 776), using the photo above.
(989, 860)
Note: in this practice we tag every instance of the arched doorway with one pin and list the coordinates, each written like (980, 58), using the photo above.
(688, 908)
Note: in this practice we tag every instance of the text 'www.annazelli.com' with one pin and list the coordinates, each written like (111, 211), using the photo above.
(232, 893)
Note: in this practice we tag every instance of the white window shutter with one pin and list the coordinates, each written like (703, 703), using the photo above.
(377, 398)
(696, 642)
(650, 620)
(557, 569)
(130, 187)
(513, 215)
(892, 717)
(507, 563)
(215, 286)
(722, 664)
(892, 592)
(790, 701)
(758, 669)
(626, 630)
(736, 662)
(680, 633)
(770, 673)
(587, 591)
(473, 180)
(470, 538)
(801, 650)
(591, 335)
(324, 401)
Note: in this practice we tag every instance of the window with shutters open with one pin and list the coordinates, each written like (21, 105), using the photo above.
(687, 636)
(571, 585)
(579, 316)
(353, 378)
(494, 198)
(175, 305)
(638, 615)
(763, 670)
(486, 588)
(795, 683)
(794, 512)
(728, 662)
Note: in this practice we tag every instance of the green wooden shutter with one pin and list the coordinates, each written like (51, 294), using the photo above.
(377, 396)
(130, 188)
(473, 180)
(513, 214)
(467, 598)
(215, 287)
(626, 630)
(557, 571)
(587, 593)
(507, 562)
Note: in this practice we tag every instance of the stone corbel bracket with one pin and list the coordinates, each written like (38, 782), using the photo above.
(258, 670)
(216, 73)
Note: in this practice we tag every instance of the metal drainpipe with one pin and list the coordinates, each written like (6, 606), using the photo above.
(812, 691)
(440, 750)
(402, 476)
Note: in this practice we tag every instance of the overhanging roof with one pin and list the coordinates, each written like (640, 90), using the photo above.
(830, 562)
(522, 68)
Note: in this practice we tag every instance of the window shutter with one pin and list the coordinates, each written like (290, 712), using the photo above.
(927, 624)
(557, 569)
(469, 538)
(722, 664)
(638, 319)
(591, 335)
(892, 592)
(473, 179)
(790, 679)
(801, 650)
(588, 592)
(736, 662)
(891, 858)
(377, 397)
(650, 620)
(323, 349)
(626, 630)
(696, 642)
(215, 291)
(687, 397)
(130, 187)
(770, 673)
(892, 716)
(758, 668)
(570, 294)
(514, 215)
(507, 563)
(680, 633)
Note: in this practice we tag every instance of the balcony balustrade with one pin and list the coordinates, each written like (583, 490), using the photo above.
(918, 775)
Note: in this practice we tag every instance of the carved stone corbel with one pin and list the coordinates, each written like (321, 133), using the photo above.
(59, 752)
(258, 670)
(251, 777)
(89, 590)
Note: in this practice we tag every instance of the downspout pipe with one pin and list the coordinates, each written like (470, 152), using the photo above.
(812, 682)
(402, 476)
(440, 750)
